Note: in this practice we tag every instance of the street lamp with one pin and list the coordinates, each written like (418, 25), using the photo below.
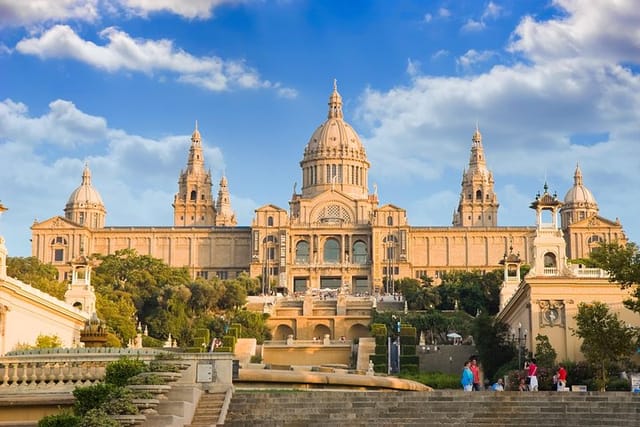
(521, 340)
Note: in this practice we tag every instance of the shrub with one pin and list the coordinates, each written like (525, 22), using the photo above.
(60, 420)
(436, 380)
(98, 418)
(618, 384)
(93, 396)
(256, 358)
(151, 379)
(155, 366)
(119, 372)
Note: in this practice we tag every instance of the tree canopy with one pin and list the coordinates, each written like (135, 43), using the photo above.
(605, 338)
(622, 262)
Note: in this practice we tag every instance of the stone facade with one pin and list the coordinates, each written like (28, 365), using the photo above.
(546, 300)
(334, 233)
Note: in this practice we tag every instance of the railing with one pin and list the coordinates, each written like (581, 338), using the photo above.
(596, 273)
(550, 271)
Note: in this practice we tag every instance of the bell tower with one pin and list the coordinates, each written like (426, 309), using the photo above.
(549, 246)
(224, 213)
(478, 206)
(193, 204)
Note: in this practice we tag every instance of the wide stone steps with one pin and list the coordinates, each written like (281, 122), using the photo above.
(208, 410)
(452, 408)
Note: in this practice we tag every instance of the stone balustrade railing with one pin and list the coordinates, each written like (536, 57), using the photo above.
(59, 367)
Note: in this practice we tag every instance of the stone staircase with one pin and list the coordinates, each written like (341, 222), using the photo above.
(451, 408)
(209, 409)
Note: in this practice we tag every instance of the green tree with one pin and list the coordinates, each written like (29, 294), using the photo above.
(545, 353)
(472, 291)
(37, 274)
(492, 341)
(419, 295)
(605, 338)
(622, 262)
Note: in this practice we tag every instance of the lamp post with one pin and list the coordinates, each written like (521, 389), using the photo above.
(521, 340)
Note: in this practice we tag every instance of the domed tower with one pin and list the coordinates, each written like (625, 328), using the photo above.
(335, 158)
(579, 203)
(478, 206)
(85, 205)
(224, 214)
(193, 204)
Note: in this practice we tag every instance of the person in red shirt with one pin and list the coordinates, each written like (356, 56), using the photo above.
(476, 374)
(562, 377)
(532, 374)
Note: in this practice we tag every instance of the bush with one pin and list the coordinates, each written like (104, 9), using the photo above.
(98, 418)
(151, 379)
(60, 420)
(618, 384)
(93, 396)
(436, 380)
(155, 366)
(256, 358)
(119, 372)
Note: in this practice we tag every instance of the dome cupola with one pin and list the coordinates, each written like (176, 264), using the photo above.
(85, 205)
(579, 202)
(334, 157)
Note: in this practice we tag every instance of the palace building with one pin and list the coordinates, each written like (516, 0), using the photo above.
(334, 234)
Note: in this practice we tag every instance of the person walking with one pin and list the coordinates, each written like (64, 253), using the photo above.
(532, 374)
(562, 377)
(467, 377)
(476, 373)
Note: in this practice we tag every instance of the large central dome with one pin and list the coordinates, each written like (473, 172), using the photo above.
(334, 157)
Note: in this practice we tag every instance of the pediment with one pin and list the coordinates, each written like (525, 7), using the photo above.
(57, 222)
(270, 208)
(390, 208)
(595, 221)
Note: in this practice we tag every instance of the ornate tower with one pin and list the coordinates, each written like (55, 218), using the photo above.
(224, 213)
(548, 245)
(511, 263)
(193, 204)
(478, 206)
(335, 158)
(80, 293)
(85, 205)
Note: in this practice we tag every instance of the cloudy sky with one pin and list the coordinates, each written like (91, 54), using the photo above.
(120, 83)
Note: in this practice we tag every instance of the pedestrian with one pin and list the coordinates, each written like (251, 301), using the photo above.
(532, 375)
(562, 377)
(522, 386)
(498, 386)
(476, 373)
(467, 377)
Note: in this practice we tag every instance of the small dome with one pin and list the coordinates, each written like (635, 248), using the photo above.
(579, 194)
(335, 133)
(85, 194)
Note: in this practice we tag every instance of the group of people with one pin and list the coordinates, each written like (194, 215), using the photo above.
(471, 377)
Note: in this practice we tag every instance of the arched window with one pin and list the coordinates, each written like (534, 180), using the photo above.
(478, 195)
(331, 251)
(194, 195)
(550, 260)
(360, 252)
(270, 221)
(302, 252)
(389, 243)
(389, 220)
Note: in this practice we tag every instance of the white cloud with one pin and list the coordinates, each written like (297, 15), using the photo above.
(444, 12)
(191, 9)
(492, 11)
(440, 53)
(472, 57)
(427, 18)
(602, 30)
(528, 111)
(28, 12)
(413, 67)
(472, 25)
(122, 52)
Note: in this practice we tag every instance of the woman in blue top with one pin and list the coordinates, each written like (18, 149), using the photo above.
(467, 377)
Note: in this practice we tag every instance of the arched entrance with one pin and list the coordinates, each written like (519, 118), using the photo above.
(282, 332)
(357, 331)
(320, 331)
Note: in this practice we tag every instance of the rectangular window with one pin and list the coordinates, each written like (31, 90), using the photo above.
(300, 284)
(202, 274)
(224, 275)
(81, 218)
(58, 255)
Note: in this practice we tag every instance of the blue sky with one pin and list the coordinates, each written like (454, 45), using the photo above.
(120, 83)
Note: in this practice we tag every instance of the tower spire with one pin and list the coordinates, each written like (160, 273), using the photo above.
(335, 103)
